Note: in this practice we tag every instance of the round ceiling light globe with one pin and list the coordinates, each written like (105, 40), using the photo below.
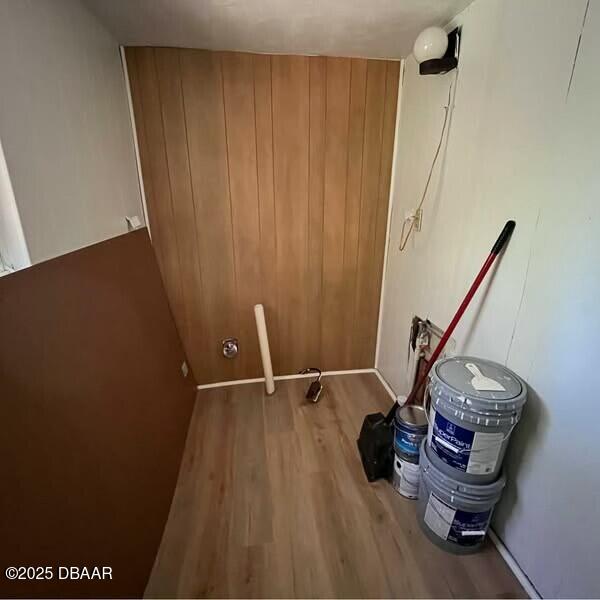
(430, 43)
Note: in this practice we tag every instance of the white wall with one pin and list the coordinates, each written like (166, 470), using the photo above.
(64, 126)
(13, 248)
(520, 148)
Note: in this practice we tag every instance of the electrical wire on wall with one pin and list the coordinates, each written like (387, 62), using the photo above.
(404, 234)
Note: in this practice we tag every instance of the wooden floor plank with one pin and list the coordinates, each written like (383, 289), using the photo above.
(272, 503)
(278, 412)
(250, 490)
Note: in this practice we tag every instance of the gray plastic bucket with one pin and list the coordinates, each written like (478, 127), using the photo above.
(454, 515)
(470, 428)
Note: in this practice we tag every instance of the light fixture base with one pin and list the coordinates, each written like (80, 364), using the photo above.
(448, 62)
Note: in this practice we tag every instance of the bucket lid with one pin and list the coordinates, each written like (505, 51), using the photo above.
(453, 373)
(413, 415)
(470, 491)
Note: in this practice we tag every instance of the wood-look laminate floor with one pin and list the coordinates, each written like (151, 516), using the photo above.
(272, 502)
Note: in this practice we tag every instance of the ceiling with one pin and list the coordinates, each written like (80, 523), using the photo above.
(369, 28)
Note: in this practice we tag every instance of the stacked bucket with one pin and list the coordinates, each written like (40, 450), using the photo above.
(474, 406)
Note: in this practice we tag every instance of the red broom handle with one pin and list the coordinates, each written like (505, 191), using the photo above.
(489, 261)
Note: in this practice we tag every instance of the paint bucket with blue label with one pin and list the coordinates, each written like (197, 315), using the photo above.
(474, 407)
(410, 428)
(454, 515)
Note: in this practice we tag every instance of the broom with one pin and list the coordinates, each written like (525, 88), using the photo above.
(376, 436)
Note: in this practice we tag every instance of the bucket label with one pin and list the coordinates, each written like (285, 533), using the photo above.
(465, 450)
(406, 442)
(406, 478)
(459, 526)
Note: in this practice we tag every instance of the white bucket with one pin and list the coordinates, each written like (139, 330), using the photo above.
(405, 479)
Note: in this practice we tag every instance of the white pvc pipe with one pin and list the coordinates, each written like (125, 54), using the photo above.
(263, 340)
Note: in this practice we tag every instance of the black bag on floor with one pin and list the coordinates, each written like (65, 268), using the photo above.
(375, 445)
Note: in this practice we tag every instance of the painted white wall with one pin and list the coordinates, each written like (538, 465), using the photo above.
(518, 147)
(64, 126)
(13, 248)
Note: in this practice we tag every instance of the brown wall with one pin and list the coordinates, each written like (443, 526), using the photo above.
(267, 180)
(94, 414)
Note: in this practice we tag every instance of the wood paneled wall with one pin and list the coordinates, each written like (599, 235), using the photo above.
(267, 180)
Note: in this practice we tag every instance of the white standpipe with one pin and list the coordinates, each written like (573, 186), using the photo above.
(263, 340)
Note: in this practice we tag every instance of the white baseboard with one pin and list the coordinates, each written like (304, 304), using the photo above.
(385, 384)
(513, 565)
(207, 386)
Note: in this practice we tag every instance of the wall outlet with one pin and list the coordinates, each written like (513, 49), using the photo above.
(184, 368)
(418, 216)
(133, 223)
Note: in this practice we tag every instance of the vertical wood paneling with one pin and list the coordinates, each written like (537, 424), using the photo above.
(159, 187)
(385, 176)
(205, 118)
(334, 209)
(290, 85)
(356, 134)
(131, 55)
(367, 270)
(266, 196)
(316, 188)
(267, 180)
(184, 221)
(238, 88)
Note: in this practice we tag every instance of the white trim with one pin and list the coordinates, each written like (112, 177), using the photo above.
(385, 384)
(513, 565)
(135, 139)
(207, 386)
(390, 206)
